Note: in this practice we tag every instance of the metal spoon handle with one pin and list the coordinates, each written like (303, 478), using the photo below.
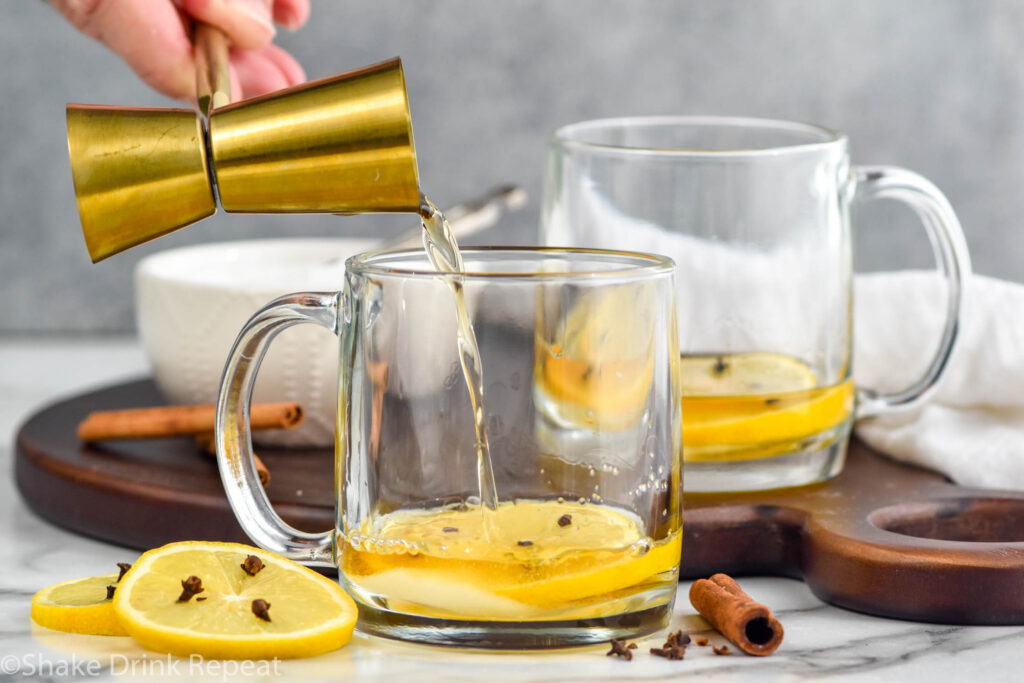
(213, 79)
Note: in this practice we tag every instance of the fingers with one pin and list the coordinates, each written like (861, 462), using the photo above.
(149, 36)
(247, 23)
(288, 65)
(291, 14)
(153, 38)
(266, 70)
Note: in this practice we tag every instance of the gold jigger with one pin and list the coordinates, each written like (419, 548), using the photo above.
(340, 145)
(139, 174)
(343, 144)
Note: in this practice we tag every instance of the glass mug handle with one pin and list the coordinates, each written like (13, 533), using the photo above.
(952, 260)
(248, 500)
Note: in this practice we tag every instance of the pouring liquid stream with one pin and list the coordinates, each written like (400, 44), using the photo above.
(443, 251)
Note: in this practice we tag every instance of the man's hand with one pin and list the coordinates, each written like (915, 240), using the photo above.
(152, 36)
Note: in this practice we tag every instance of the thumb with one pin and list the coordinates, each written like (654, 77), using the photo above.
(248, 24)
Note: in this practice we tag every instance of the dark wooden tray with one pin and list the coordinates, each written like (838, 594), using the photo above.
(882, 537)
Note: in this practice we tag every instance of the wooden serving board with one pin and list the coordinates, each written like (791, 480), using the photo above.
(882, 538)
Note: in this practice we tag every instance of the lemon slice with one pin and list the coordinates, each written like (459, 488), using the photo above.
(78, 606)
(608, 576)
(755, 405)
(308, 613)
(739, 374)
(600, 365)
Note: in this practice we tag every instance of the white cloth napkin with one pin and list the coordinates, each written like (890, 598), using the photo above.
(972, 430)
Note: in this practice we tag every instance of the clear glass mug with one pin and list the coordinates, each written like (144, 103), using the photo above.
(584, 542)
(756, 214)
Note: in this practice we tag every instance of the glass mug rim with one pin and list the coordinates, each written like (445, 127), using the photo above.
(628, 264)
(818, 138)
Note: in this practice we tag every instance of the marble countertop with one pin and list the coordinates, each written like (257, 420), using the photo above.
(821, 641)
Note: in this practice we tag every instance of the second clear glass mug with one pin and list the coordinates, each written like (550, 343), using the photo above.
(581, 405)
(756, 215)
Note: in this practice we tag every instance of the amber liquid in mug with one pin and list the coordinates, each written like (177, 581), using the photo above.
(493, 560)
(747, 406)
(526, 560)
(740, 406)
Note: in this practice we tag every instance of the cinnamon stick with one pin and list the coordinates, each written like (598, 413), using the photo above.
(149, 423)
(748, 624)
(208, 443)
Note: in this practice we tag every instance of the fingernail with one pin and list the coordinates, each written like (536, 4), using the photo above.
(290, 20)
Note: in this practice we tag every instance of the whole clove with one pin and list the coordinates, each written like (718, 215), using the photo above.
(720, 365)
(677, 638)
(122, 567)
(110, 591)
(261, 608)
(252, 565)
(669, 652)
(621, 649)
(674, 647)
(191, 586)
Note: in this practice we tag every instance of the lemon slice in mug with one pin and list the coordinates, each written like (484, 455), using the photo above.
(754, 404)
(599, 366)
(740, 374)
(301, 614)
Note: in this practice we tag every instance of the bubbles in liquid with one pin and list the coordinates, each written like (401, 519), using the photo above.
(641, 547)
(382, 546)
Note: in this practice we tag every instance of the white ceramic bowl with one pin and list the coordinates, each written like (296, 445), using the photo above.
(190, 304)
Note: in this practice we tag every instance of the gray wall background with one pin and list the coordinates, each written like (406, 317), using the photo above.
(933, 85)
